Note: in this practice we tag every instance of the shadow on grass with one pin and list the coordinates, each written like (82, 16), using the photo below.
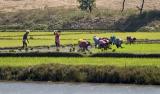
(136, 21)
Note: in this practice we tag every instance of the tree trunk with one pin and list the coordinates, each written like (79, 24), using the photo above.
(90, 9)
(141, 9)
(123, 5)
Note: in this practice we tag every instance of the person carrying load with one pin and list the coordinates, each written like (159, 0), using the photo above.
(25, 39)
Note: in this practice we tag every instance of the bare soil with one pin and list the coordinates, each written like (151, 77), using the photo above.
(14, 5)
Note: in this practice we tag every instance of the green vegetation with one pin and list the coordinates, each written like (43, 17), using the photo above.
(86, 69)
(87, 5)
(14, 39)
(121, 62)
(135, 48)
(10, 39)
(82, 73)
(86, 34)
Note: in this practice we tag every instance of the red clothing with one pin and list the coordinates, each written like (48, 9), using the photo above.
(57, 39)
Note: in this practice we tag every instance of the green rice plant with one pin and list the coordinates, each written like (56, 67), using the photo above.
(99, 61)
(72, 37)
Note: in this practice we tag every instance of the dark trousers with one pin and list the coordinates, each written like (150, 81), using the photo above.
(57, 44)
(24, 44)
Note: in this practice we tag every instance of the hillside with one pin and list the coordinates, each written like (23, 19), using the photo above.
(63, 14)
(14, 5)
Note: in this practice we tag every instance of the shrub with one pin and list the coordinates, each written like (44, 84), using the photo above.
(83, 73)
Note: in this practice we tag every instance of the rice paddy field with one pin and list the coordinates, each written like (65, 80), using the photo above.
(120, 62)
(14, 39)
(136, 48)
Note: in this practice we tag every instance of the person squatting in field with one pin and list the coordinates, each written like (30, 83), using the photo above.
(105, 42)
(118, 43)
(96, 41)
(101, 42)
(113, 40)
(130, 40)
(57, 38)
(25, 39)
(84, 45)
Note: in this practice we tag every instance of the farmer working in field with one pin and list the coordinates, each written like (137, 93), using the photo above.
(96, 41)
(57, 38)
(83, 45)
(113, 39)
(119, 42)
(25, 39)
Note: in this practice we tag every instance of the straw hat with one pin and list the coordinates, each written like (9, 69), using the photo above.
(27, 31)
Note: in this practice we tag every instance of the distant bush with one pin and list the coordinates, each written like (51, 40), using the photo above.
(86, 5)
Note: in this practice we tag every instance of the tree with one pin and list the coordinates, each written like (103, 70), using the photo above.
(141, 8)
(87, 5)
(123, 5)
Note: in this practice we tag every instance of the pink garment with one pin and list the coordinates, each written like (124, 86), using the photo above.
(57, 37)
(102, 42)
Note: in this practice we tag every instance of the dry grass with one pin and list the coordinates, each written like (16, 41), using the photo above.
(13, 5)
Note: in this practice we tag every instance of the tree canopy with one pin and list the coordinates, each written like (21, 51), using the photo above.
(87, 5)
